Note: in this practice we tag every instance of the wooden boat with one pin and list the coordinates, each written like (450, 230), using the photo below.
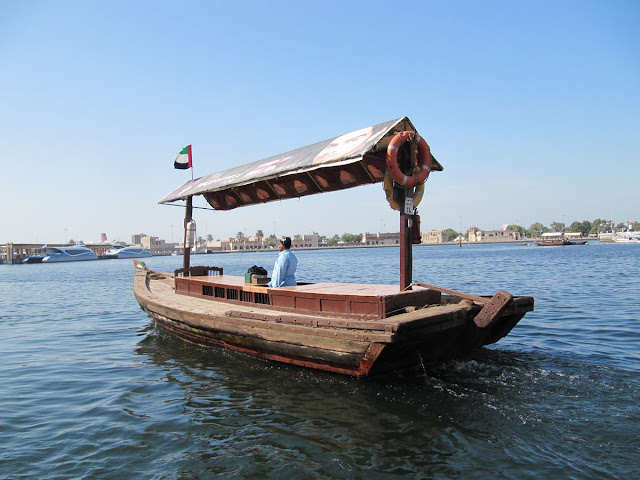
(354, 329)
(557, 239)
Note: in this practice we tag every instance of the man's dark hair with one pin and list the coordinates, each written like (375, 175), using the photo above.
(286, 241)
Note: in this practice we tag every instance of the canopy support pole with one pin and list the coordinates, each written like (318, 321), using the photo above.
(187, 218)
(406, 251)
(405, 197)
(406, 245)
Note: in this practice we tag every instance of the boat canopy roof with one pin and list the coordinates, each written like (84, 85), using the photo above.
(350, 160)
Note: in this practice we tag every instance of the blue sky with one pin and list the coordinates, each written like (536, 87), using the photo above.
(532, 107)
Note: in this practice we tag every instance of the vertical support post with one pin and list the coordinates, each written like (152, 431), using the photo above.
(187, 218)
(10, 253)
(406, 244)
(406, 251)
(406, 221)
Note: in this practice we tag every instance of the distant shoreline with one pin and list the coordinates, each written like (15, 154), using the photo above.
(332, 247)
(343, 247)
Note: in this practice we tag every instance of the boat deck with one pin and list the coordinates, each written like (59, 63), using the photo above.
(344, 299)
(367, 290)
(159, 289)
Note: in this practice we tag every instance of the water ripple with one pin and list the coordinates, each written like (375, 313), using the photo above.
(93, 390)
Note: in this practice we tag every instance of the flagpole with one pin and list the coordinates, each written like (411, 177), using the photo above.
(191, 162)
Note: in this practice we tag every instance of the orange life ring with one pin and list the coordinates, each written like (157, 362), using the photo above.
(422, 164)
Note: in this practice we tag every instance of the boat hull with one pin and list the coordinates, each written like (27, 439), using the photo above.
(126, 252)
(33, 259)
(331, 343)
(111, 256)
(67, 258)
(560, 243)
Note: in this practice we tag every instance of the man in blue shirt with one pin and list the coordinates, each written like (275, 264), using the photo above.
(284, 269)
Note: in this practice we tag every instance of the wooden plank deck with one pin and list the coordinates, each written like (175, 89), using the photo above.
(363, 329)
(342, 299)
(208, 314)
(337, 289)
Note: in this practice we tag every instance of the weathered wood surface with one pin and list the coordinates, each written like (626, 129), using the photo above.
(338, 289)
(493, 309)
(343, 300)
(205, 322)
(343, 345)
(219, 314)
(469, 296)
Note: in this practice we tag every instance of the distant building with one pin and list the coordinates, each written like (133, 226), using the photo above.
(381, 239)
(153, 244)
(260, 243)
(136, 239)
(305, 241)
(434, 236)
(244, 243)
(488, 236)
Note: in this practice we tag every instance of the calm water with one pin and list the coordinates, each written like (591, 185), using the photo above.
(90, 388)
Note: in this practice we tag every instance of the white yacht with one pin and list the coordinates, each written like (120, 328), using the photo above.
(626, 237)
(123, 251)
(71, 253)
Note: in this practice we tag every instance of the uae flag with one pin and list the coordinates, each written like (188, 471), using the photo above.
(183, 160)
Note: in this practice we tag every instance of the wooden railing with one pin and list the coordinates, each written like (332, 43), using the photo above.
(197, 271)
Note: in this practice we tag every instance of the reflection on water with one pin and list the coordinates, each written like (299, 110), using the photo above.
(93, 389)
(457, 419)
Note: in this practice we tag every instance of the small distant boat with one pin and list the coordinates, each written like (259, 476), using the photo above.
(626, 237)
(72, 253)
(124, 251)
(557, 239)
